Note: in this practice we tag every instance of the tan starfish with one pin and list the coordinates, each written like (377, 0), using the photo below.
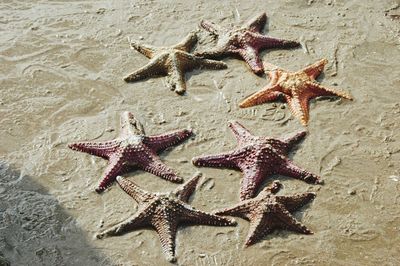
(267, 212)
(164, 212)
(172, 62)
(297, 88)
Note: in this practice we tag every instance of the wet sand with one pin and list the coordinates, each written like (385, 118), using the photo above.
(62, 65)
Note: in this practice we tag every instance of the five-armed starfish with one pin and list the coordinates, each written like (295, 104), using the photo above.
(245, 42)
(132, 149)
(258, 158)
(267, 212)
(164, 212)
(297, 88)
(172, 62)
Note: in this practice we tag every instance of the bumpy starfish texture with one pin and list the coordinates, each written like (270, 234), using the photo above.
(268, 212)
(164, 212)
(297, 88)
(133, 149)
(172, 62)
(258, 158)
(245, 42)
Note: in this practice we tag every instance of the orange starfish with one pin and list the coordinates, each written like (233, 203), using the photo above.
(296, 87)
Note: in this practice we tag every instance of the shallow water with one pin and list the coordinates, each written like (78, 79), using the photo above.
(62, 64)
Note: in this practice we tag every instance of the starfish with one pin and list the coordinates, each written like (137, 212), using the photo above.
(133, 149)
(245, 42)
(297, 88)
(164, 212)
(172, 62)
(258, 158)
(267, 212)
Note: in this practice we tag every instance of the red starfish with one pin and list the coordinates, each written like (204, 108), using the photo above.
(267, 212)
(297, 88)
(132, 149)
(245, 42)
(164, 212)
(258, 158)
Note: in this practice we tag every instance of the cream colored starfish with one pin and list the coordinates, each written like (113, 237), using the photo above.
(297, 88)
(172, 62)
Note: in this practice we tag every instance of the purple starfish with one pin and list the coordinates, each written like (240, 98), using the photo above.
(164, 212)
(267, 212)
(245, 42)
(133, 149)
(258, 158)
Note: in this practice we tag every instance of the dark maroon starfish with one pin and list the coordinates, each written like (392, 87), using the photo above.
(164, 212)
(245, 42)
(258, 158)
(132, 149)
(267, 212)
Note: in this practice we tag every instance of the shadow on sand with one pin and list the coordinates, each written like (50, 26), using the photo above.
(35, 229)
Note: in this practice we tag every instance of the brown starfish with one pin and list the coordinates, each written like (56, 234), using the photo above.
(133, 149)
(172, 62)
(164, 212)
(258, 158)
(267, 212)
(245, 42)
(297, 88)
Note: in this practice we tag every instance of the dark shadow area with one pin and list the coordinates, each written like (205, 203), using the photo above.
(35, 229)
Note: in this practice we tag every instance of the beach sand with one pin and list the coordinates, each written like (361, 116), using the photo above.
(62, 67)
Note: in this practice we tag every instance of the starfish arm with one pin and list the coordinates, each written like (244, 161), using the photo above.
(290, 169)
(294, 139)
(176, 78)
(154, 68)
(130, 125)
(144, 49)
(320, 90)
(210, 64)
(264, 42)
(152, 164)
(253, 176)
(190, 62)
(190, 215)
(158, 143)
(259, 228)
(211, 27)
(252, 58)
(166, 229)
(239, 131)
(242, 210)
(268, 94)
(273, 188)
(295, 202)
(140, 219)
(188, 43)
(227, 160)
(299, 107)
(115, 167)
(289, 222)
(186, 190)
(101, 149)
(314, 70)
(256, 24)
(216, 52)
(133, 190)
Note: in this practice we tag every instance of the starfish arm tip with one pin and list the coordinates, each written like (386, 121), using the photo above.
(99, 189)
(195, 161)
(232, 222)
(171, 258)
(99, 236)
